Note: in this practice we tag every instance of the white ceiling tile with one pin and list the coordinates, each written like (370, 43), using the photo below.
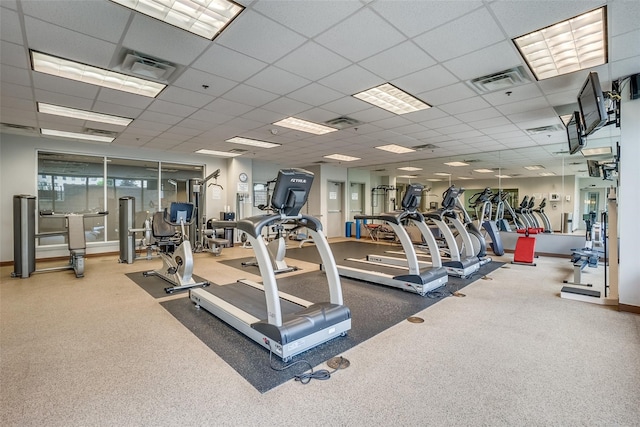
(514, 94)
(360, 35)
(425, 80)
(624, 68)
(308, 18)
(227, 63)
(465, 105)
(18, 103)
(248, 35)
(176, 46)
(58, 41)
(148, 127)
(14, 55)
(185, 96)
(348, 106)
(64, 100)
(626, 45)
(624, 18)
(315, 94)
(10, 28)
(392, 63)
(444, 95)
(312, 61)
(351, 80)
(523, 106)
(212, 118)
(196, 124)
(264, 116)
(153, 116)
(286, 106)
(276, 80)
(249, 95)
(184, 131)
(194, 80)
(103, 20)
(171, 108)
(243, 124)
(14, 75)
(118, 110)
(225, 106)
(489, 60)
(473, 31)
(417, 16)
(485, 115)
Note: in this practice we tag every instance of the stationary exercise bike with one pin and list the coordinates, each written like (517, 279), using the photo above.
(175, 248)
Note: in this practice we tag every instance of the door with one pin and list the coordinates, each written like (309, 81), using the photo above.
(335, 217)
(356, 199)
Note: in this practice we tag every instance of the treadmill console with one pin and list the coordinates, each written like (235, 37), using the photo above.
(291, 191)
(412, 196)
(450, 197)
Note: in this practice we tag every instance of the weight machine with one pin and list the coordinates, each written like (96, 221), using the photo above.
(24, 237)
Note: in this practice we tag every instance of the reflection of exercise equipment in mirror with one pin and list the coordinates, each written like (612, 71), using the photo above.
(127, 232)
(282, 323)
(481, 203)
(196, 193)
(24, 237)
(175, 247)
(380, 200)
(589, 255)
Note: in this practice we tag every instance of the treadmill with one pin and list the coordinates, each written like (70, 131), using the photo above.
(282, 323)
(457, 266)
(390, 271)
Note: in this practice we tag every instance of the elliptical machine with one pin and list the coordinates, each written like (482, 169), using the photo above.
(175, 248)
(481, 203)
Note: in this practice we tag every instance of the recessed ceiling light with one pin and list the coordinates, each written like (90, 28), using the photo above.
(571, 45)
(547, 174)
(58, 110)
(397, 149)
(206, 18)
(76, 135)
(409, 169)
(252, 142)
(342, 157)
(434, 179)
(483, 170)
(596, 151)
(217, 153)
(503, 176)
(390, 98)
(407, 176)
(442, 174)
(456, 164)
(534, 167)
(60, 67)
(304, 126)
(464, 177)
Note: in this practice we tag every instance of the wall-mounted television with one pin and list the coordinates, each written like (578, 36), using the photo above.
(594, 168)
(574, 134)
(591, 103)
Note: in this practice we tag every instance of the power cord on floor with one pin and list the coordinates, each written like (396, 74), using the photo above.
(305, 377)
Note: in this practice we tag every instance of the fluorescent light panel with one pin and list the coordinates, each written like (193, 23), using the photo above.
(483, 170)
(596, 151)
(397, 149)
(390, 98)
(252, 142)
(503, 176)
(434, 179)
(217, 153)
(547, 174)
(410, 168)
(75, 135)
(206, 18)
(456, 164)
(60, 67)
(74, 113)
(442, 174)
(342, 157)
(575, 44)
(534, 167)
(304, 126)
(464, 177)
(408, 176)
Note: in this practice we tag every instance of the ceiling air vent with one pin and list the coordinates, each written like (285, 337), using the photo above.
(342, 122)
(147, 66)
(545, 129)
(238, 150)
(471, 161)
(11, 127)
(499, 81)
(320, 162)
(100, 132)
(424, 147)
(379, 170)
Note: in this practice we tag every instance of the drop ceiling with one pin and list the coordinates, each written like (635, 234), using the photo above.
(306, 59)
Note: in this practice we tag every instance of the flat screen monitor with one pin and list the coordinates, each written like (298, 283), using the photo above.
(591, 103)
(412, 197)
(594, 168)
(574, 134)
(291, 191)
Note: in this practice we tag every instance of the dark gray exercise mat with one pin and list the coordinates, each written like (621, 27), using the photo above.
(154, 285)
(374, 308)
(253, 269)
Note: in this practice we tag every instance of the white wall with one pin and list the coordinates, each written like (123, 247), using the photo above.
(18, 175)
(629, 201)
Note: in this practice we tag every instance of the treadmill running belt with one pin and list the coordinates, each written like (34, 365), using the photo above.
(249, 299)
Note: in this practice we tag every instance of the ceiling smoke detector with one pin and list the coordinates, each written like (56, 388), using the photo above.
(147, 66)
(499, 81)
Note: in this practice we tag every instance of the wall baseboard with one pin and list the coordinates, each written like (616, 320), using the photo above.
(629, 308)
